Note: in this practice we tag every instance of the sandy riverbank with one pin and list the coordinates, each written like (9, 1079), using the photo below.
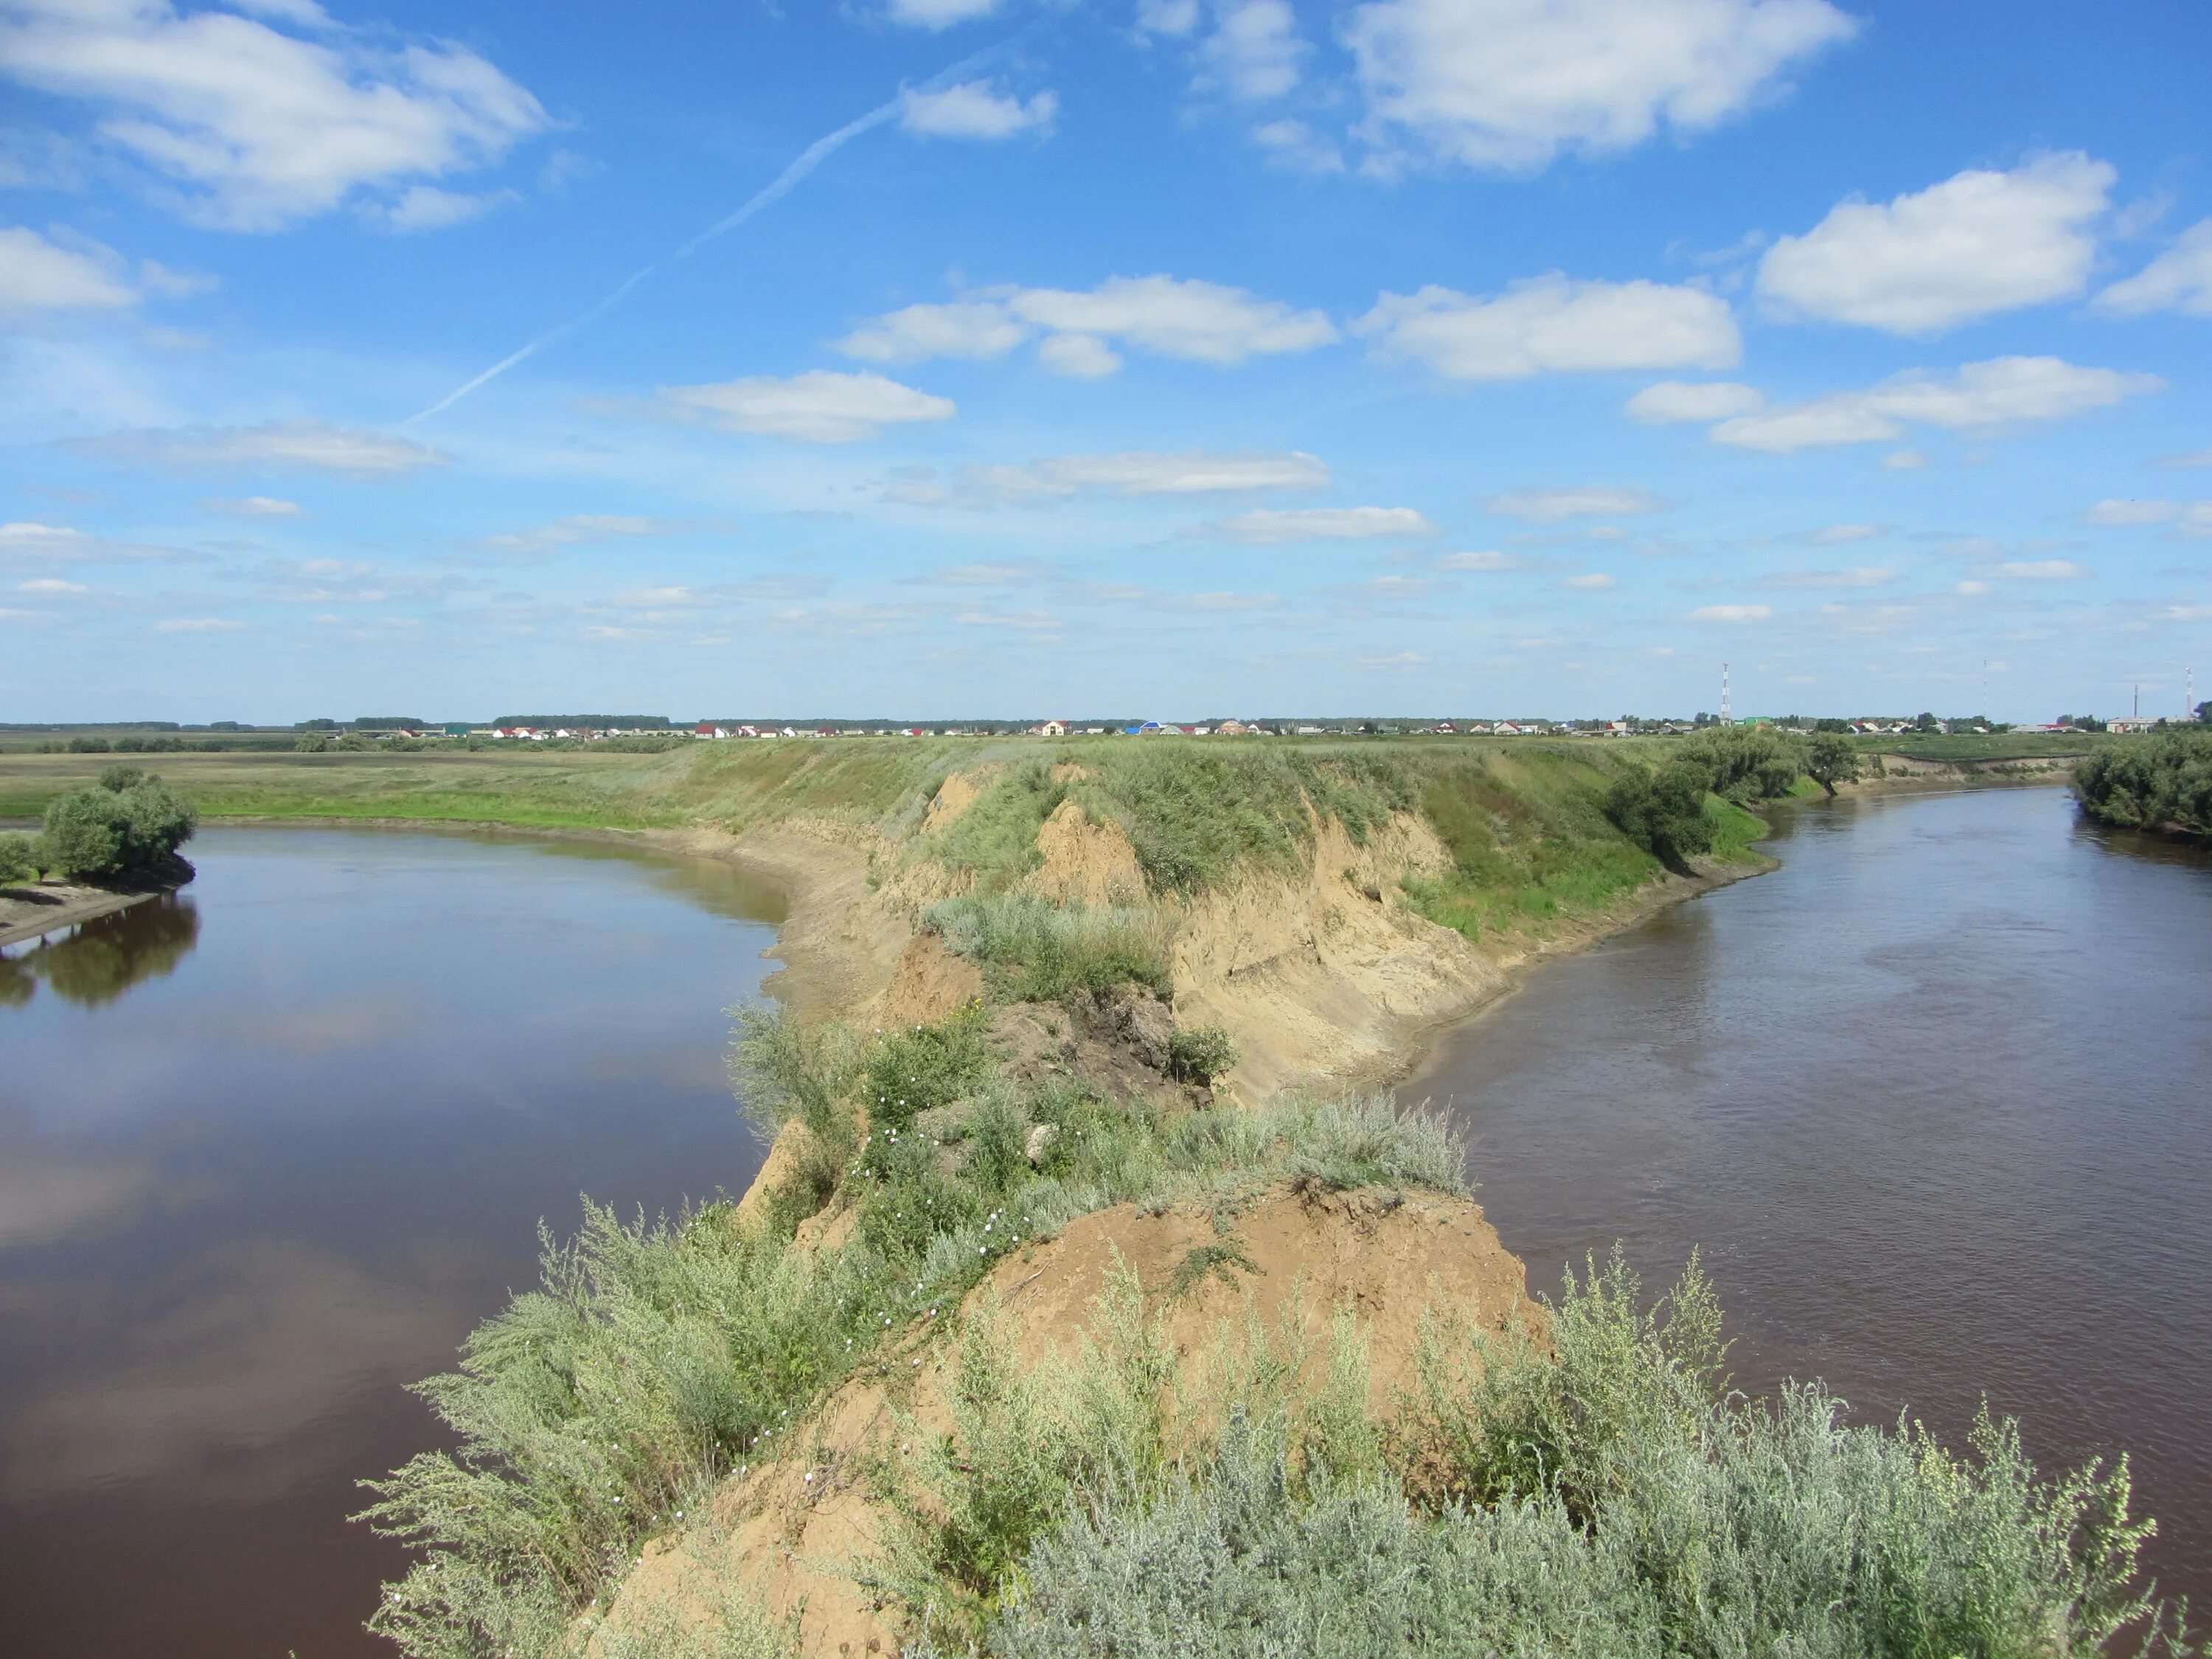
(31, 910)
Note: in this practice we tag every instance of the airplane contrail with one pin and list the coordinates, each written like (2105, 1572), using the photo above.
(781, 186)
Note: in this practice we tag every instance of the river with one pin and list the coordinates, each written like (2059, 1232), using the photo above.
(1932, 1097)
(1935, 1101)
(268, 1151)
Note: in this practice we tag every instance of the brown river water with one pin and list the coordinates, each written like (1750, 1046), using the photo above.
(1935, 1098)
(269, 1151)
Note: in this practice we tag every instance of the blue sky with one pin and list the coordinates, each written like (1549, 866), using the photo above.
(1162, 356)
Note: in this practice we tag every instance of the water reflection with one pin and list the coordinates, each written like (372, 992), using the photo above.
(242, 1205)
(102, 958)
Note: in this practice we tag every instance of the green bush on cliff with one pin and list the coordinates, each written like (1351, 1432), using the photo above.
(1199, 1053)
(1031, 949)
(1613, 1498)
(1664, 812)
(917, 1069)
(2163, 781)
(1747, 763)
(129, 821)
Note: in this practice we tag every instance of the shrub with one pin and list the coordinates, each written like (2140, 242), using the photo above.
(1745, 763)
(1830, 759)
(910, 1072)
(785, 1073)
(88, 745)
(18, 859)
(2162, 782)
(1657, 1514)
(311, 742)
(1031, 949)
(1663, 813)
(1199, 1053)
(130, 820)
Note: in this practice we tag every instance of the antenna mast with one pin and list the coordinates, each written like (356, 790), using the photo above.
(1725, 719)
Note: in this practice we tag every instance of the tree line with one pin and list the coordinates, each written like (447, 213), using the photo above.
(1663, 810)
(2160, 781)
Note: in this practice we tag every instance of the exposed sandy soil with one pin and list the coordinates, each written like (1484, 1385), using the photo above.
(1331, 978)
(1902, 775)
(1085, 863)
(792, 1528)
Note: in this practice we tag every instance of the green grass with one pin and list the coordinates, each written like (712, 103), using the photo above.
(656, 1358)
(1031, 949)
(1996, 746)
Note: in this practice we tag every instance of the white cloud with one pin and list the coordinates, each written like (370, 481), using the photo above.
(293, 443)
(426, 207)
(2130, 512)
(940, 14)
(1295, 145)
(2180, 279)
(254, 506)
(580, 529)
(2192, 457)
(1905, 460)
(1325, 524)
(28, 543)
(2040, 570)
(1731, 613)
(1077, 356)
(1672, 402)
(51, 585)
(1550, 324)
(1862, 575)
(1197, 321)
(1977, 244)
(158, 278)
(2191, 518)
(961, 328)
(1142, 473)
(259, 127)
(974, 109)
(1165, 316)
(1835, 535)
(1985, 396)
(1486, 560)
(1254, 48)
(1971, 589)
(819, 407)
(1511, 84)
(1595, 581)
(38, 275)
(1581, 502)
(198, 625)
(1174, 18)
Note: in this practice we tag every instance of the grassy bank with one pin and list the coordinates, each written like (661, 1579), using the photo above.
(1598, 1493)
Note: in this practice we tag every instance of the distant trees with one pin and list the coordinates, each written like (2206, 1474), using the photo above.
(1830, 759)
(129, 821)
(2163, 781)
